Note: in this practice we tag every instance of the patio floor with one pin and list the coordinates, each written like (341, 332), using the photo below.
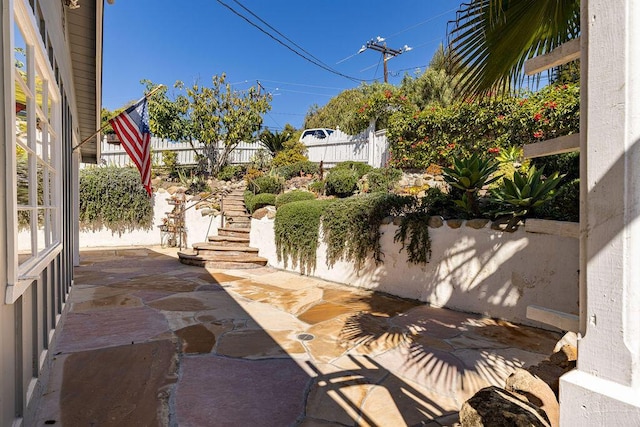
(149, 341)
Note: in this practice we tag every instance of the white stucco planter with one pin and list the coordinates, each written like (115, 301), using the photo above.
(198, 228)
(485, 271)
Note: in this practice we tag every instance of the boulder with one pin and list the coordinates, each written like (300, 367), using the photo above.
(495, 407)
(536, 391)
(268, 211)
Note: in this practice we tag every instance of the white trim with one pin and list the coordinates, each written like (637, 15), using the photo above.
(567, 52)
(16, 289)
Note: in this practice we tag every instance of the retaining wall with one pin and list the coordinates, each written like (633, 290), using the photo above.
(483, 270)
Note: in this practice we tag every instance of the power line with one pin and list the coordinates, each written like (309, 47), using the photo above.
(306, 58)
(278, 32)
(302, 84)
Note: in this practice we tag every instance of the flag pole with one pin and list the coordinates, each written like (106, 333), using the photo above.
(154, 90)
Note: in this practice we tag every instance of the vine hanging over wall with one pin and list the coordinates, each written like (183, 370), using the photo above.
(114, 198)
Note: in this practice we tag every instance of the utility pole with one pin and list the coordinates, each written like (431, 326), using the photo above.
(387, 53)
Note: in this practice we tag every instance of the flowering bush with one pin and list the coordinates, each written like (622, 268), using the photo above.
(439, 134)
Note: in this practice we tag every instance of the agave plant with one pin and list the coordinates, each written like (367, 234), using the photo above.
(470, 175)
(526, 191)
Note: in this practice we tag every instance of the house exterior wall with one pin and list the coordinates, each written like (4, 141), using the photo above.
(35, 284)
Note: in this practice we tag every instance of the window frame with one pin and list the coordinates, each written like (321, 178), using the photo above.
(21, 276)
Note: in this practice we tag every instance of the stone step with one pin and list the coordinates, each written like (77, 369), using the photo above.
(237, 215)
(206, 248)
(234, 232)
(228, 240)
(234, 209)
(230, 203)
(237, 225)
(214, 261)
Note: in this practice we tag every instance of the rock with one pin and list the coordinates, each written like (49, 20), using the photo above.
(268, 212)
(494, 407)
(454, 223)
(567, 356)
(537, 392)
(570, 338)
(397, 220)
(477, 223)
(435, 221)
(418, 182)
(161, 190)
(172, 190)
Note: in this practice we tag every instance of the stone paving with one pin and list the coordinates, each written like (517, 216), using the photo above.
(148, 341)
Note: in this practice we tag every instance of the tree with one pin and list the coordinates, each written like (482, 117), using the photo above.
(435, 85)
(274, 142)
(217, 116)
(491, 39)
(339, 111)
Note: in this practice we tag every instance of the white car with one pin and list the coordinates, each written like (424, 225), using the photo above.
(319, 133)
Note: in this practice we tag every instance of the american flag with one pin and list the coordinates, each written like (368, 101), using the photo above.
(132, 129)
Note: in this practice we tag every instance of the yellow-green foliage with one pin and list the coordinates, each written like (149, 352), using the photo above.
(294, 151)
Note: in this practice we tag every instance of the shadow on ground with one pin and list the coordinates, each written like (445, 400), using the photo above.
(149, 341)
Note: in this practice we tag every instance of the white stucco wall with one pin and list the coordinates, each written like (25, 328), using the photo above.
(198, 228)
(474, 270)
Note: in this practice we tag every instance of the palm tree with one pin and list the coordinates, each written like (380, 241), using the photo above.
(274, 142)
(491, 39)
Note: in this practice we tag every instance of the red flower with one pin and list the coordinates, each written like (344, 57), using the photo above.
(551, 105)
(538, 134)
(493, 150)
(451, 146)
(387, 94)
(500, 117)
(537, 116)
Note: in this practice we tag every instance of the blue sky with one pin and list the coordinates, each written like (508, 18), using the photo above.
(165, 41)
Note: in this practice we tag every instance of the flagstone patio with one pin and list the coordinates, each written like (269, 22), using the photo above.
(149, 341)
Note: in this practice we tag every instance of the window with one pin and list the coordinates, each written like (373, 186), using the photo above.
(34, 212)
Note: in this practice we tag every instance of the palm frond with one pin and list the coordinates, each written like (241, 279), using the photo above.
(491, 39)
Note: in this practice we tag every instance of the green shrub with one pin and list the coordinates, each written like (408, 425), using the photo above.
(114, 198)
(266, 184)
(437, 202)
(382, 179)
(229, 172)
(296, 229)
(360, 167)
(170, 161)
(567, 164)
(341, 182)
(298, 169)
(351, 227)
(565, 206)
(317, 187)
(254, 202)
(293, 196)
(294, 151)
